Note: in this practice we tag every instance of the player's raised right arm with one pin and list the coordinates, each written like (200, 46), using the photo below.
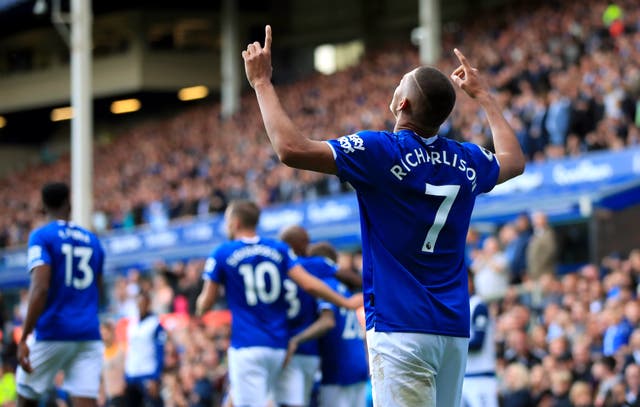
(293, 148)
(506, 144)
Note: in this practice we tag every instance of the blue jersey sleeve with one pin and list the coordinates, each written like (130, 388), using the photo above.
(99, 251)
(324, 304)
(290, 260)
(360, 157)
(38, 252)
(160, 338)
(486, 165)
(213, 269)
(479, 321)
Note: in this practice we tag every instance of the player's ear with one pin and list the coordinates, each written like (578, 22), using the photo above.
(403, 104)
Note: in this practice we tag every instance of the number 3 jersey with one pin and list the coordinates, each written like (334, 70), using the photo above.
(415, 197)
(342, 349)
(76, 259)
(253, 272)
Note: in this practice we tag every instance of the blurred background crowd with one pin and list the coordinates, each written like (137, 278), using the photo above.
(569, 77)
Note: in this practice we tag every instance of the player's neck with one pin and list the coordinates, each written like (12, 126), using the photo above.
(58, 215)
(245, 234)
(406, 124)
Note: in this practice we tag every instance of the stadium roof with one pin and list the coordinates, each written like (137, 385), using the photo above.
(18, 15)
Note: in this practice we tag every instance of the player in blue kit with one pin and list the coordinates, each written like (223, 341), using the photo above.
(65, 262)
(340, 343)
(296, 380)
(416, 192)
(480, 386)
(253, 270)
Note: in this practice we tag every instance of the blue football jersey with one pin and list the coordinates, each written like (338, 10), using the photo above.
(415, 197)
(303, 309)
(342, 349)
(253, 272)
(76, 259)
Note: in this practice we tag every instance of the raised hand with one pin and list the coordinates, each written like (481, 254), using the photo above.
(468, 78)
(257, 60)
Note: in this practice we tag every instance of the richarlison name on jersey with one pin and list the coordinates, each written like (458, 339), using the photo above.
(418, 157)
(254, 250)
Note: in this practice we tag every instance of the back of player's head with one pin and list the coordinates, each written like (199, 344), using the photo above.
(324, 249)
(433, 96)
(247, 213)
(296, 237)
(55, 195)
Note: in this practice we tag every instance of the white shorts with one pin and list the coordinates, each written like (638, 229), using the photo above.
(354, 395)
(296, 380)
(415, 369)
(480, 391)
(80, 361)
(253, 374)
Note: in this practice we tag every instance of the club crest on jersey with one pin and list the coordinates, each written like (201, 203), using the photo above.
(351, 143)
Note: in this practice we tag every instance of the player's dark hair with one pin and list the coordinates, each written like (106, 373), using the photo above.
(324, 249)
(247, 212)
(437, 95)
(55, 195)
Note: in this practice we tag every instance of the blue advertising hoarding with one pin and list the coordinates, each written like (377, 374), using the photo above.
(567, 190)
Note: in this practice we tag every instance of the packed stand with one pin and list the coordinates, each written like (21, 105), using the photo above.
(568, 76)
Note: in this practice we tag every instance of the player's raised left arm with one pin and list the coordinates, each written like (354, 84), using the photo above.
(293, 148)
(506, 144)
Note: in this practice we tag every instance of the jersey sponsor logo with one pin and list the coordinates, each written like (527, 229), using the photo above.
(35, 254)
(350, 144)
(487, 153)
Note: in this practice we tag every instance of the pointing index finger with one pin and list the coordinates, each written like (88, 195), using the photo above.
(267, 38)
(462, 58)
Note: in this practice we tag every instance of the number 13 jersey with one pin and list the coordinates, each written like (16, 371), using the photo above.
(415, 197)
(76, 259)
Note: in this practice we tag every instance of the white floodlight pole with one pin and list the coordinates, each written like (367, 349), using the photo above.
(430, 26)
(82, 122)
(230, 59)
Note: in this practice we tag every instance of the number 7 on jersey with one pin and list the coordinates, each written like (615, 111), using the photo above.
(450, 192)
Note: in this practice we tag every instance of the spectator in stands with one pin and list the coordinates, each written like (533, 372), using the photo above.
(145, 356)
(618, 328)
(542, 252)
(580, 394)
(632, 384)
(606, 377)
(516, 381)
(491, 277)
(113, 383)
(560, 386)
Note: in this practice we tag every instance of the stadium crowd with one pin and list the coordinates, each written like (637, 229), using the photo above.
(571, 84)
(569, 80)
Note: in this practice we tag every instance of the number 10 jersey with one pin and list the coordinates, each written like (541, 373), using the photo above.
(253, 272)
